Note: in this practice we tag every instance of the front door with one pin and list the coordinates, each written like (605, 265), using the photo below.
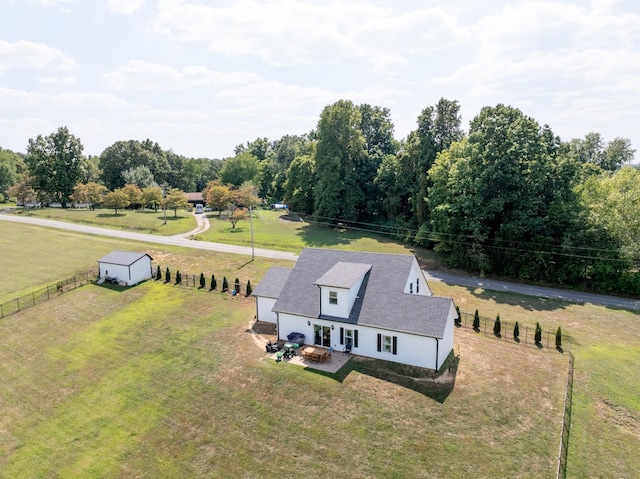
(322, 335)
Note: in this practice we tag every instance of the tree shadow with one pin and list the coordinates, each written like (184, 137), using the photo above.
(110, 215)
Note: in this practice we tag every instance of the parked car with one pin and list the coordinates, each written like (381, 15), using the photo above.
(296, 338)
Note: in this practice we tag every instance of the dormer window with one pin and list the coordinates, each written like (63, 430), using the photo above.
(333, 297)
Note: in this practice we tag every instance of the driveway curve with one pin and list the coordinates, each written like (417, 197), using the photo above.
(460, 280)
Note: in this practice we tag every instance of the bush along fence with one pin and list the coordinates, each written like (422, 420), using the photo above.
(566, 423)
(44, 294)
(233, 287)
(512, 330)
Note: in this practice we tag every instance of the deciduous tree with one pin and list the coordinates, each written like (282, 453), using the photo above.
(55, 163)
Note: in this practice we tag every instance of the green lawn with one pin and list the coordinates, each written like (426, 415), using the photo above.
(142, 221)
(157, 379)
(271, 231)
(33, 257)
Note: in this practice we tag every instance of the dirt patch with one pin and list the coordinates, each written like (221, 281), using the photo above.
(621, 416)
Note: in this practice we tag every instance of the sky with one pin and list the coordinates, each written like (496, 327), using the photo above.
(200, 77)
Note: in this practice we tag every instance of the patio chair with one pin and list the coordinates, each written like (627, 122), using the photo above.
(327, 355)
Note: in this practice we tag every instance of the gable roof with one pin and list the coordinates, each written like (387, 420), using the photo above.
(381, 303)
(122, 258)
(272, 282)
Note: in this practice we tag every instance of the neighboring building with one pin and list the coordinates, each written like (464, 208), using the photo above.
(379, 304)
(195, 198)
(127, 267)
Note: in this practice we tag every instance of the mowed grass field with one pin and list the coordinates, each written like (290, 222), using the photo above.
(180, 365)
(155, 381)
(141, 221)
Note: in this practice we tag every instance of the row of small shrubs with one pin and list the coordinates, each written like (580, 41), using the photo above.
(497, 328)
(213, 282)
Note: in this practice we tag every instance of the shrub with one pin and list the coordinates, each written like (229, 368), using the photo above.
(476, 321)
(203, 281)
(214, 283)
(225, 284)
(558, 338)
(236, 286)
(496, 326)
(167, 276)
(178, 277)
(459, 318)
(516, 331)
(158, 274)
(249, 290)
(538, 335)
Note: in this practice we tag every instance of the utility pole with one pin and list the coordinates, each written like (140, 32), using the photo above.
(251, 223)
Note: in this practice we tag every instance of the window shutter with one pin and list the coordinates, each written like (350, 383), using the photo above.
(395, 345)
(379, 342)
(341, 335)
(355, 338)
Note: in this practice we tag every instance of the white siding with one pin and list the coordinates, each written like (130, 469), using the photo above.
(114, 271)
(138, 271)
(263, 309)
(416, 282)
(446, 343)
(340, 310)
(411, 349)
(288, 323)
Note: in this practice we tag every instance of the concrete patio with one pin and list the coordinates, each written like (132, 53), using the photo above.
(338, 359)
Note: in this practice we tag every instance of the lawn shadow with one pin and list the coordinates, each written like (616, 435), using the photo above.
(110, 215)
(436, 385)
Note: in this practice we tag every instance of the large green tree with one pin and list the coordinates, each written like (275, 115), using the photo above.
(301, 178)
(55, 163)
(488, 196)
(242, 167)
(124, 156)
(339, 151)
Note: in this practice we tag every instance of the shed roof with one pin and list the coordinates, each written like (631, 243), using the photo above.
(381, 302)
(123, 258)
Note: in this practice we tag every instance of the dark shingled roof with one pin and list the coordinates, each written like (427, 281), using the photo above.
(122, 258)
(343, 275)
(272, 282)
(381, 301)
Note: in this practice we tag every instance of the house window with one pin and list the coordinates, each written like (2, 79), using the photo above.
(349, 336)
(387, 344)
(333, 297)
(417, 285)
(410, 288)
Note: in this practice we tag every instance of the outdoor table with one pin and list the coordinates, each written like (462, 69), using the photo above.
(288, 345)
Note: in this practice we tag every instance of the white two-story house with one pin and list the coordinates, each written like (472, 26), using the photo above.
(378, 304)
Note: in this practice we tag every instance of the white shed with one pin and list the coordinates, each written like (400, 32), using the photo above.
(128, 267)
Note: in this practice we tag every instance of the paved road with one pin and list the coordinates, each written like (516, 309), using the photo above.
(540, 291)
(147, 238)
(467, 281)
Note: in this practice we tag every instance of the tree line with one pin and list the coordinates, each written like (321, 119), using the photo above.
(506, 197)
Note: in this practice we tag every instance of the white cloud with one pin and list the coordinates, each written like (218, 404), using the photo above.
(141, 75)
(300, 33)
(126, 7)
(10, 98)
(37, 56)
(86, 100)
(67, 80)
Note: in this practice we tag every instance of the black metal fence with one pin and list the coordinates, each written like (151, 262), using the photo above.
(526, 336)
(44, 294)
(193, 281)
(566, 423)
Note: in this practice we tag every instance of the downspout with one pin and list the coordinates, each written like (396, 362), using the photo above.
(437, 345)
(320, 293)
(277, 325)
(257, 310)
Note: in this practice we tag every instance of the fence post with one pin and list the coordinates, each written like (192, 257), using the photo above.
(33, 297)
(1, 311)
(18, 303)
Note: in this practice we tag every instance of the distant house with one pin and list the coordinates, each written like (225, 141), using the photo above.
(195, 198)
(378, 304)
(127, 267)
